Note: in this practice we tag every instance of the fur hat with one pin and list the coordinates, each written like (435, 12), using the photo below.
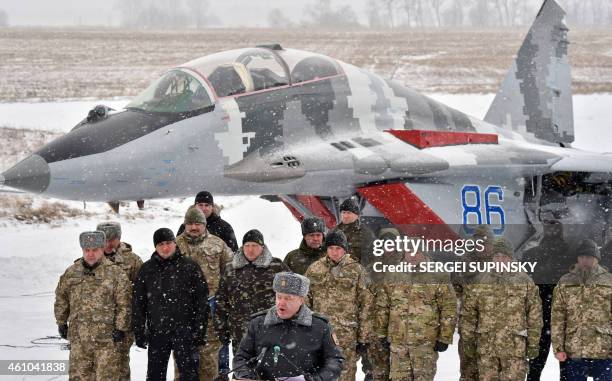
(92, 240)
(291, 283)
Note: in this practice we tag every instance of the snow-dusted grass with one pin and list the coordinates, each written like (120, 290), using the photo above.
(55, 63)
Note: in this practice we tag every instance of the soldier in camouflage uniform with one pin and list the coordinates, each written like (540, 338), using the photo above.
(416, 317)
(582, 318)
(468, 361)
(501, 320)
(379, 349)
(211, 254)
(92, 311)
(246, 288)
(120, 253)
(311, 248)
(359, 236)
(339, 290)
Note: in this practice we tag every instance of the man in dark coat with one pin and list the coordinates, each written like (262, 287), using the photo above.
(214, 223)
(553, 259)
(170, 309)
(245, 287)
(289, 340)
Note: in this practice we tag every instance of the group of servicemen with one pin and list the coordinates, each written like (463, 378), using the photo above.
(322, 307)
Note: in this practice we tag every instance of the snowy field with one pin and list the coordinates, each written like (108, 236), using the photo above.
(34, 255)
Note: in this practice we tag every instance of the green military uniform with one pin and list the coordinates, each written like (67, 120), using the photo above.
(413, 313)
(300, 259)
(211, 254)
(582, 314)
(467, 358)
(360, 239)
(130, 263)
(340, 292)
(378, 351)
(94, 302)
(501, 320)
(127, 260)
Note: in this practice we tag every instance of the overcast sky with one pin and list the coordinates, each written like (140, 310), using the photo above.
(103, 12)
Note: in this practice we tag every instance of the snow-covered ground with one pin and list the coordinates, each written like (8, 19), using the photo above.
(34, 255)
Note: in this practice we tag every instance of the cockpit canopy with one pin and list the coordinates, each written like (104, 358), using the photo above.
(230, 73)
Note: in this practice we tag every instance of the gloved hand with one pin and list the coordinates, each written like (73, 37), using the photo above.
(533, 352)
(440, 346)
(63, 331)
(362, 348)
(118, 335)
(141, 342)
(385, 344)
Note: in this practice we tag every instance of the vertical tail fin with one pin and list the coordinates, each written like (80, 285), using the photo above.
(535, 98)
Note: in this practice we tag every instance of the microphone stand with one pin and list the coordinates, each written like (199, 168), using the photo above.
(255, 359)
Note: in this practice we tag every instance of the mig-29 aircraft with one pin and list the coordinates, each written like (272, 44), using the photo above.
(309, 130)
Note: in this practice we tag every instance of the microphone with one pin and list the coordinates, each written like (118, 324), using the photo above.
(276, 353)
(261, 355)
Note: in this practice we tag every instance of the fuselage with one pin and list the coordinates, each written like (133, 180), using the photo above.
(249, 121)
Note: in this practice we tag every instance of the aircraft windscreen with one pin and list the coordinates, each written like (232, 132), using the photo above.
(175, 92)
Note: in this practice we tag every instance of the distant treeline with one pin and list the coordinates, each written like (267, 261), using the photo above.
(155, 14)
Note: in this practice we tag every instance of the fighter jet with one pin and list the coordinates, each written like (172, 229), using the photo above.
(310, 130)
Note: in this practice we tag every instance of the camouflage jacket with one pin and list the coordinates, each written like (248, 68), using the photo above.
(93, 301)
(127, 260)
(501, 315)
(210, 253)
(340, 292)
(582, 314)
(300, 259)
(245, 288)
(360, 239)
(416, 310)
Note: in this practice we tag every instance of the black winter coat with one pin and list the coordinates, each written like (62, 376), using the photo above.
(219, 227)
(245, 288)
(300, 346)
(170, 297)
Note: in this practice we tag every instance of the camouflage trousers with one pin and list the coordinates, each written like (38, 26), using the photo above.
(209, 361)
(124, 357)
(350, 364)
(94, 361)
(468, 362)
(412, 363)
(492, 368)
(379, 358)
(347, 341)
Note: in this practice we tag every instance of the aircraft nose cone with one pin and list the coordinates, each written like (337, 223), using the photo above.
(31, 174)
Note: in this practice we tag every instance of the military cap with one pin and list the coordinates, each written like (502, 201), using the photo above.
(312, 225)
(588, 248)
(205, 197)
(503, 246)
(92, 240)
(253, 236)
(291, 283)
(163, 235)
(349, 205)
(336, 238)
(194, 216)
(111, 229)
